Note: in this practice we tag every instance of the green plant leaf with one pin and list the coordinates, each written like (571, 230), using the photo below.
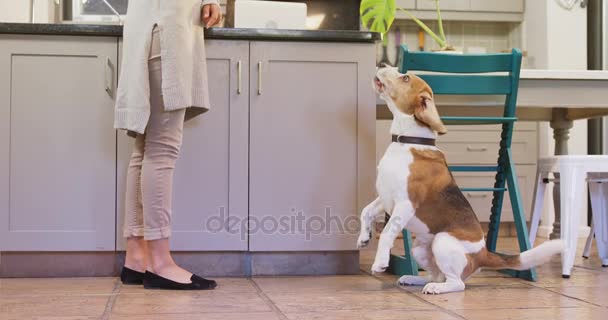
(378, 15)
(440, 22)
(440, 42)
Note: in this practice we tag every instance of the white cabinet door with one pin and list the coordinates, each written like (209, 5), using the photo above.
(210, 185)
(57, 164)
(311, 144)
(445, 5)
(497, 5)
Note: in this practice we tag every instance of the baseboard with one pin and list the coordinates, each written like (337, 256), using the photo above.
(213, 264)
(57, 264)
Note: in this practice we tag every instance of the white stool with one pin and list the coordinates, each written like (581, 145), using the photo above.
(575, 172)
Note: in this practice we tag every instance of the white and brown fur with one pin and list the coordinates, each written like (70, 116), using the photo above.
(418, 191)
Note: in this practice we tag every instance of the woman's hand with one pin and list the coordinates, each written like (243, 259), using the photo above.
(211, 15)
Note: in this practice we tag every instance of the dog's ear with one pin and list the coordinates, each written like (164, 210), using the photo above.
(426, 111)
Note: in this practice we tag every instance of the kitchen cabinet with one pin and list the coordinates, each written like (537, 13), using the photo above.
(57, 164)
(289, 143)
(311, 144)
(210, 183)
(291, 126)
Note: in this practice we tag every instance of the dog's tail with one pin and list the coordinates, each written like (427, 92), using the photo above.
(525, 260)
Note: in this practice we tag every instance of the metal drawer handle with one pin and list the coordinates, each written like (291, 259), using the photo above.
(478, 195)
(481, 149)
(260, 78)
(109, 83)
(239, 77)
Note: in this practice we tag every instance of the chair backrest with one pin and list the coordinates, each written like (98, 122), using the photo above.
(457, 73)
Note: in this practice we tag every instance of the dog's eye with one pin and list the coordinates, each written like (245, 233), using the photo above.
(405, 78)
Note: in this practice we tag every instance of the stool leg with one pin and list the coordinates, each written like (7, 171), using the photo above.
(599, 206)
(572, 202)
(537, 206)
(589, 240)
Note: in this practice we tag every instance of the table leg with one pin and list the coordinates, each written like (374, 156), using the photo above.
(561, 133)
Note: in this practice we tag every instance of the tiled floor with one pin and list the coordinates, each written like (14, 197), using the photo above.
(489, 295)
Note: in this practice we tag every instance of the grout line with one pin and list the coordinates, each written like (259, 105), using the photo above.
(567, 296)
(111, 300)
(442, 309)
(267, 299)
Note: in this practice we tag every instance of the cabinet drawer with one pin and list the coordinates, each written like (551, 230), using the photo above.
(482, 201)
(406, 4)
(481, 147)
(497, 5)
(453, 5)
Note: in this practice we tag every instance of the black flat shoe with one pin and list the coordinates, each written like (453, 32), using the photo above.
(154, 281)
(131, 277)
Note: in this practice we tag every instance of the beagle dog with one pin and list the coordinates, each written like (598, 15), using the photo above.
(416, 188)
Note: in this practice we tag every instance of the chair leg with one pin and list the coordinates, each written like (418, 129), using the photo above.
(537, 207)
(518, 214)
(497, 201)
(572, 201)
(599, 205)
(404, 265)
(407, 245)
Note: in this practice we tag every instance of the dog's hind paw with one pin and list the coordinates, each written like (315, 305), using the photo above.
(443, 287)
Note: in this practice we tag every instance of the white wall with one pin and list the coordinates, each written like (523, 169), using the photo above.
(15, 10)
(556, 38)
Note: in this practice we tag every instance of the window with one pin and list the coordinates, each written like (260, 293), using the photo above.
(98, 10)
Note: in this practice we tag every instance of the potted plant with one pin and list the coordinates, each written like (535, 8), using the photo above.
(379, 15)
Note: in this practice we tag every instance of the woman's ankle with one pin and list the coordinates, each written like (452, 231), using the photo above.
(136, 257)
(139, 265)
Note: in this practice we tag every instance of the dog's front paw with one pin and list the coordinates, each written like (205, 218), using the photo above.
(363, 240)
(379, 267)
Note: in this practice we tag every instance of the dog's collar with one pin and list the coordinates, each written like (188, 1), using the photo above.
(414, 140)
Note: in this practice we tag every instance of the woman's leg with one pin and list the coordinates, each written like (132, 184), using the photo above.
(161, 150)
(134, 216)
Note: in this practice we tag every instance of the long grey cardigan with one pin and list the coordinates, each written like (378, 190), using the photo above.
(184, 68)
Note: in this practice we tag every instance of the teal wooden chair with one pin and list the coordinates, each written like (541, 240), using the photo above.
(463, 75)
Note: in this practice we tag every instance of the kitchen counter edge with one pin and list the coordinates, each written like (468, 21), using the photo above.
(213, 33)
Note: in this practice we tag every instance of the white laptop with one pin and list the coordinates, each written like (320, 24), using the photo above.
(269, 14)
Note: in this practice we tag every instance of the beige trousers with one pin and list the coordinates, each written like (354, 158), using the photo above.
(150, 173)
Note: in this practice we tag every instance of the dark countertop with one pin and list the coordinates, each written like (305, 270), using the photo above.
(214, 33)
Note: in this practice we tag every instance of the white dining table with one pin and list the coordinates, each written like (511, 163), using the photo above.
(555, 96)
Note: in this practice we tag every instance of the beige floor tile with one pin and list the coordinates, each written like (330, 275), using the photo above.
(31, 307)
(318, 302)
(321, 284)
(576, 280)
(205, 316)
(165, 302)
(57, 286)
(596, 295)
(536, 314)
(236, 285)
(372, 315)
(505, 297)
